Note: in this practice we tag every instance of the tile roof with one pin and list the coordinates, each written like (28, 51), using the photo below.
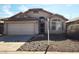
(27, 18)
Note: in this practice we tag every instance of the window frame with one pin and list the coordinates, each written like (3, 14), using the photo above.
(53, 26)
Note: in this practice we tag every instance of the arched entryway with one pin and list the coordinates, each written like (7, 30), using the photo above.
(41, 25)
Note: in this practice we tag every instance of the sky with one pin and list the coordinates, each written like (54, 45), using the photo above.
(69, 11)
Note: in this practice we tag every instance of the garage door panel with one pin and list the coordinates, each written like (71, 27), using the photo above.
(21, 28)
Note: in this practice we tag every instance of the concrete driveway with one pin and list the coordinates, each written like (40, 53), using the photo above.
(16, 38)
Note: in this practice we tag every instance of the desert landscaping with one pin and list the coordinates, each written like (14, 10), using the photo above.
(55, 46)
(40, 46)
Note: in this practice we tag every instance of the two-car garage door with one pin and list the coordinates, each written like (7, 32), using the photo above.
(22, 29)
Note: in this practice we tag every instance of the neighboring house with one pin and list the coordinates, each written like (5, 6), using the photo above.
(73, 29)
(34, 21)
(76, 21)
(73, 25)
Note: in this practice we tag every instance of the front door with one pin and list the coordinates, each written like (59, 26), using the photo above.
(41, 28)
(41, 25)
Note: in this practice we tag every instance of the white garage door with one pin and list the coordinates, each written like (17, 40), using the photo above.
(21, 29)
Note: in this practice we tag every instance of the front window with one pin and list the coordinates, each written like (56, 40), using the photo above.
(53, 25)
(56, 24)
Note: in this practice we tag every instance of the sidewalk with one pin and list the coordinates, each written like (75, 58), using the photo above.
(10, 46)
(43, 52)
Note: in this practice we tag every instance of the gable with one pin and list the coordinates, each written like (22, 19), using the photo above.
(37, 13)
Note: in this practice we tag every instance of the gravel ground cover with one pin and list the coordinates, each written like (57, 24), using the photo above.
(57, 46)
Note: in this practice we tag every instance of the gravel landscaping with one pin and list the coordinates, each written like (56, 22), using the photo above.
(55, 46)
(34, 46)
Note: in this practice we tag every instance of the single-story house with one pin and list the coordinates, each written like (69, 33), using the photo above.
(73, 28)
(73, 25)
(75, 21)
(34, 21)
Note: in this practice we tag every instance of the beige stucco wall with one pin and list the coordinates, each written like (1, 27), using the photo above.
(30, 26)
(46, 15)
